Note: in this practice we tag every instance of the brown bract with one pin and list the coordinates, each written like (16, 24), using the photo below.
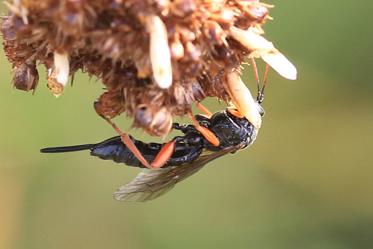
(116, 41)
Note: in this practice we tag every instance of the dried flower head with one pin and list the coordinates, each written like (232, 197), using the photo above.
(155, 57)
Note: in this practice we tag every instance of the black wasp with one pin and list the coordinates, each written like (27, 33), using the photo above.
(210, 137)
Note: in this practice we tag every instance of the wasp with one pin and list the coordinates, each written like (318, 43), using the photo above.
(209, 137)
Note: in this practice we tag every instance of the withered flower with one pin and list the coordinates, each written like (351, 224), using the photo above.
(155, 57)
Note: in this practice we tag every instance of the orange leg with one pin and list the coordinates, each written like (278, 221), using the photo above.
(162, 157)
(234, 111)
(129, 143)
(203, 109)
(164, 154)
(209, 135)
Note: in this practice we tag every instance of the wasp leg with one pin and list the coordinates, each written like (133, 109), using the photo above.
(179, 127)
(204, 110)
(234, 111)
(129, 143)
(209, 135)
(183, 128)
(164, 154)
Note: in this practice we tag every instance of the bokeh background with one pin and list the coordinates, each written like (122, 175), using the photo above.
(306, 183)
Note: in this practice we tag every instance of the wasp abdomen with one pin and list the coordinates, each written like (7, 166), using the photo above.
(114, 149)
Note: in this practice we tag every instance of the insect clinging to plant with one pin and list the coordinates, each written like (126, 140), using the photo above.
(209, 137)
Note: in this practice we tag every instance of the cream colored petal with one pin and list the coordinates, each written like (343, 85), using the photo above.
(281, 65)
(242, 99)
(260, 47)
(251, 39)
(61, 67)
(160, 55)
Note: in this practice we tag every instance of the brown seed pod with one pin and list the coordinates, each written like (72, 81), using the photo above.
(25, 77)
(155, 57)
(157, 124)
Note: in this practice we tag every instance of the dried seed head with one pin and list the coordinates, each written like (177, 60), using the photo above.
(159, 54)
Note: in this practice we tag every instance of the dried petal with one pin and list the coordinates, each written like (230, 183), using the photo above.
(18, 9)
(281, 65)
(177, 50)
(160, 55)
(53, 85)
(242, 98)
(259, 46)
(251, 40)
(61, 68)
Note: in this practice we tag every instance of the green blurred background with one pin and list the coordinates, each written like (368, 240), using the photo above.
(306, 183)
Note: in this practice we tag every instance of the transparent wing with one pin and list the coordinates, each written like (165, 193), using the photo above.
(150, 184)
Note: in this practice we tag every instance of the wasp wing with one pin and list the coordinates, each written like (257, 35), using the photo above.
(150, 184)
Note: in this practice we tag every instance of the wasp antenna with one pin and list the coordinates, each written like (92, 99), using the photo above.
(265, 82)
(265, 77)
(256, 74)
(259, 97)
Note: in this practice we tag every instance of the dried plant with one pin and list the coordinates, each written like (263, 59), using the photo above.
(155, 57)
